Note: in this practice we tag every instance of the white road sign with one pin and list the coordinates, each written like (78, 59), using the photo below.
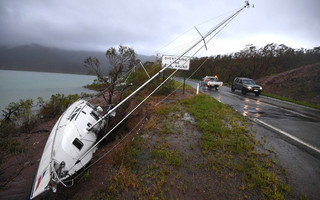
(182, 63)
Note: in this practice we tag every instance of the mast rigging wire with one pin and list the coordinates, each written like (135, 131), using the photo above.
(113, 109)
(197, 25)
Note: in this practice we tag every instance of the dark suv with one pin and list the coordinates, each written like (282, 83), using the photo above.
(246, 85)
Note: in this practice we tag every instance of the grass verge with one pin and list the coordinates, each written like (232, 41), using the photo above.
(195, 148)
(291, 100)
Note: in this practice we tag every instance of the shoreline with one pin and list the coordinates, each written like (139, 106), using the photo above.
(17, 85)
(50, 72)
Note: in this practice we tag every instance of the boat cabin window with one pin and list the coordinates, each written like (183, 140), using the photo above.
(75, 113)
(76, 142)
(72, 116)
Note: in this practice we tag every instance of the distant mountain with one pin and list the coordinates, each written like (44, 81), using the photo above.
(46, 59)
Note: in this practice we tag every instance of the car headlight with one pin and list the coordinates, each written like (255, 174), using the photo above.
(249, 88)
(260, 88)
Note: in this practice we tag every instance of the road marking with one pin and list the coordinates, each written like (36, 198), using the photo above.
(281, 131)
(288, 135)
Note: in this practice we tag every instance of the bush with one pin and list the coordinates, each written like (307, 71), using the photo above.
(96, 85)
(19, 114)
(139, 77)
(18, 117)
(56, 105)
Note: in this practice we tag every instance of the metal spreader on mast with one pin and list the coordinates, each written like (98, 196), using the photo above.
(157, 74)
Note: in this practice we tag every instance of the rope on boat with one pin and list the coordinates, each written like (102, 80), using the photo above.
(116, 145)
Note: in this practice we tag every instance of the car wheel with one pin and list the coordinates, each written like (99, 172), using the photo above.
(244, 91)
(232, 89)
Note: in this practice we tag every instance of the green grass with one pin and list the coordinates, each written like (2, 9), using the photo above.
(228, 146)
(291, 100)
(156, 167)
(163, 152)
(179, 85)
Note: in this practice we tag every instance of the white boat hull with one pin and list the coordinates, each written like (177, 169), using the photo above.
(68, 141)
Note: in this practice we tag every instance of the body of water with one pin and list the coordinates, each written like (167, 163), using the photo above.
(16, 85)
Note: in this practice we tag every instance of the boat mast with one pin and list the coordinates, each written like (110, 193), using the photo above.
(164, 68)
(157, 74)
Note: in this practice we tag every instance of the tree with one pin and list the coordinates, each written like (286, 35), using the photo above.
(18, 115)
(121, 61)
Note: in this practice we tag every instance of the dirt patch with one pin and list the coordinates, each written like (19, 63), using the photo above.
(165, 155)
(171, 159)
(18, 171)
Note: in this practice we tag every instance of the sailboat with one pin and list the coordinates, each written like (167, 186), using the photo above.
(73, 139)
(68, 140)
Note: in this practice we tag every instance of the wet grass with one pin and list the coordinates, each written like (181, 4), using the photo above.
(230, 148)
(223, 162)
(166, 154)
(179, 85)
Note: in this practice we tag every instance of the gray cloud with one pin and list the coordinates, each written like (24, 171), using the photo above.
(149, 25)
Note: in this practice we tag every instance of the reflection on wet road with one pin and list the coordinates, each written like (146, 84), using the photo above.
(292, 132)
(299, 122)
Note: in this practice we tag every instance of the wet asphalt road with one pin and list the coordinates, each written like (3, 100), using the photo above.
(297, 124)
(290, 130)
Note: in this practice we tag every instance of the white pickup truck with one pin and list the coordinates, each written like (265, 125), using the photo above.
(210, 82)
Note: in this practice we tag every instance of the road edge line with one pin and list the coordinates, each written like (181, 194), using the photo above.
(295, 139)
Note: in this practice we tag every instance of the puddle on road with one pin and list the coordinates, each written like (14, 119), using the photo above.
(278, 113)
(252, 107)
(267, 112)
(256, 112)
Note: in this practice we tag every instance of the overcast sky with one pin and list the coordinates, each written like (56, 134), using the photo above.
(163, 27)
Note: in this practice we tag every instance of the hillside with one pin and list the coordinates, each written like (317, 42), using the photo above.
(46, 59)
(301, 84)
(253, 62)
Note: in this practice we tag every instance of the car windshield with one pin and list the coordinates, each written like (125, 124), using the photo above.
(214, 79)
(249, 82)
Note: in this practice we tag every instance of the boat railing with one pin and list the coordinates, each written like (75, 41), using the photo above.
(55, 179)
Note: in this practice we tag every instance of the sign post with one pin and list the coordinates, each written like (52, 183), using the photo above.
(184, 83)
